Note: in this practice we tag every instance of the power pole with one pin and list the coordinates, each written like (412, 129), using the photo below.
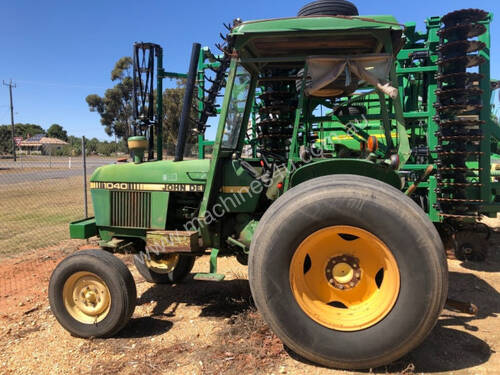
(11, 85)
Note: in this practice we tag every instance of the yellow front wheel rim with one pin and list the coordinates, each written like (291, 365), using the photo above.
(86, 297)
(344, 278)
(162, 263)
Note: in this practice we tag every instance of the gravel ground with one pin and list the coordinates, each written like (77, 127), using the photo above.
(212, 328)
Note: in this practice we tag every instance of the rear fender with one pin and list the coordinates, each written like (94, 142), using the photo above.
(346, 166)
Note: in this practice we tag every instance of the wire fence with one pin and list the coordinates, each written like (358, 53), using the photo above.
(41, 194)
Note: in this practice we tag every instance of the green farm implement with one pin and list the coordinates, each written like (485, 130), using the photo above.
(348, 150)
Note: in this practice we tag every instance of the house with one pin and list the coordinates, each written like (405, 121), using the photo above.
(41, 145)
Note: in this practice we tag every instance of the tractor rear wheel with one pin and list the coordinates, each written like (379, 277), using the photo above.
(92, 294)
(348, 271)
(163, 268)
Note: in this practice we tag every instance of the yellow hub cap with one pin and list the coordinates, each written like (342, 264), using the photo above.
(86, 297)
(343, 273)
(344, 278)
(162, 263)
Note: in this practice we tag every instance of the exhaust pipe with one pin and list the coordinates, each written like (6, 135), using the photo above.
(188, 99)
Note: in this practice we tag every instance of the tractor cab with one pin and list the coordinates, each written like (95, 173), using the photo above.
(292, 81)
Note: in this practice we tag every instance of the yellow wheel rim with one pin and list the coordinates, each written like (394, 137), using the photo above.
(162, 263)
(344, 278)
(86, 297)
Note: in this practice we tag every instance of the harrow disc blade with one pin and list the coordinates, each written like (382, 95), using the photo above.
(458, 109)
(463, 124)
(459, 64)
(462, 32)
(460, 47)
(459, 80)
(459, 92)
(464, 16)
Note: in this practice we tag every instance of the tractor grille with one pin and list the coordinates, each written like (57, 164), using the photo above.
(130, 209)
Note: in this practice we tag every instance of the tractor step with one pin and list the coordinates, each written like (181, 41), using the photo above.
(172, 241)
(206, 276)
(212, 275)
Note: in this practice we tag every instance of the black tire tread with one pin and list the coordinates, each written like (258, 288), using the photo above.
(328, 8)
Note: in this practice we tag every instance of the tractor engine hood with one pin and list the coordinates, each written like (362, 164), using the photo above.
(155, 172)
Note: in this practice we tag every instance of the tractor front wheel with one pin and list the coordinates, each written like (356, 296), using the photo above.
(348, 271)
(163, 268)
(92, 294)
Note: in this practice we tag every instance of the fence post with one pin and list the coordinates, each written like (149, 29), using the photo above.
(69, 163)
(84, 156)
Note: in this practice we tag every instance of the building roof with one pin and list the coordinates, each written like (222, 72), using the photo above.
(35, 138)
(42, 140)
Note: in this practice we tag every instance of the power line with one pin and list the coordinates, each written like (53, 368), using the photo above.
(12, 85)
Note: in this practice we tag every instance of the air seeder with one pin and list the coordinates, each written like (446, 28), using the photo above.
(343, 265)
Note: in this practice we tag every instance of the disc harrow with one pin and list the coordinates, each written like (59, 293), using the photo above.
(276, 108)
(458, 107)
(217, 81)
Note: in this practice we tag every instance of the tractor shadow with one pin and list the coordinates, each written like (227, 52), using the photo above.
(492, 262)
(144, 327)
(217, 299)
(453, 345)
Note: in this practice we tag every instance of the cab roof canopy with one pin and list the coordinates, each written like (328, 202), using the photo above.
(291, 40)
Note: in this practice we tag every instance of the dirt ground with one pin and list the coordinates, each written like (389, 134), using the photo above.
(200, 327)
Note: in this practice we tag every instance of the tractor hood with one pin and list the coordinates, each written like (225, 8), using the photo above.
(155, 172)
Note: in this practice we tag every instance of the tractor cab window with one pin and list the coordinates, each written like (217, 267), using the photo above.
(236, 108)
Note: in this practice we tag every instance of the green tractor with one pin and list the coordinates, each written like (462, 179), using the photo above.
(345, 267)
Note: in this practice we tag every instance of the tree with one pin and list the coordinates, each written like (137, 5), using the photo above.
(91, 145)
(57, 131)
(106, 148)
(172, 108)
(21, 130)
(28, 130)
(115, 107)
(76, 145)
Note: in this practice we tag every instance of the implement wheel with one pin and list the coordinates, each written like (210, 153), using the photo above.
(348, 271)
(163, 268)
(470, 246)
(328, 8)
(92, 294)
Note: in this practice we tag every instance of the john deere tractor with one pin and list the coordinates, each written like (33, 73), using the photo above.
(345, 267)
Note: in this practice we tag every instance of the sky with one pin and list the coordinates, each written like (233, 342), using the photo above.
(58, 52)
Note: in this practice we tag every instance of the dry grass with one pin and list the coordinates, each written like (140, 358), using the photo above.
(246, 345)
(36, 214)
(5, 171)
